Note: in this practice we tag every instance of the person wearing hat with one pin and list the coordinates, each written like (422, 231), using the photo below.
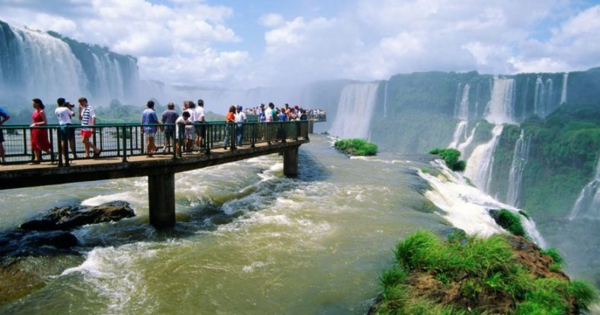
(240, 119)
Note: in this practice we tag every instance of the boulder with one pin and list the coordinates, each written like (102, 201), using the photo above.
(26, 243)
(67, 218)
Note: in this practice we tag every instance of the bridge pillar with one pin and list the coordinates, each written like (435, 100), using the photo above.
(161, 196)
(290, 162)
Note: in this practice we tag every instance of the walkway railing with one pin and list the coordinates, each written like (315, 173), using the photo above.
(125, 140)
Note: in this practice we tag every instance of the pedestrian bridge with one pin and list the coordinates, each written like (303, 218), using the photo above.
(123, 156)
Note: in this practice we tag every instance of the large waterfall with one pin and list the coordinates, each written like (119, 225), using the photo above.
(461, 111)
(48, 66)
(563, 95)
(501, 107)
(355, 110)
(515, 176)
(588, 202)
(479, 165)
(543, 97)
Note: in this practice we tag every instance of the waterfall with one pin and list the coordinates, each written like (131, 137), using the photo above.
(385, 97)
(355, 110)
(48, 65)
(461, 109)
(588, 202)
(542, 103)
(463, 146)
(502, 104)
(524, 100)
(563, 95)
(42, 65)
(479, 165)
(515, 176)
(461, 131)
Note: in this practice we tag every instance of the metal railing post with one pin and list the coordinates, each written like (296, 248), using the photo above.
(124, 135)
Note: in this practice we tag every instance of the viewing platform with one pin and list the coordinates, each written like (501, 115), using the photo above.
(123, 156)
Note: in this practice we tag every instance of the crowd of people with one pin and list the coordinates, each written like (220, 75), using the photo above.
(189, 125)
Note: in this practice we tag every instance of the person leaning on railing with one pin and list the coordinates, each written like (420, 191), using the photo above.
(149, 122)
(4, 116)
(169, 116)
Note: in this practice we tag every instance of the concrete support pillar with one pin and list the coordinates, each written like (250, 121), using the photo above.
(290, 162)
(161, 195)
(311, 127)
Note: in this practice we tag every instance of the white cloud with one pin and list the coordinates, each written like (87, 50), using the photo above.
(271, 20)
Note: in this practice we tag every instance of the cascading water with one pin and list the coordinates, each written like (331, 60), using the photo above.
(42, 65)
(461, 109)
(479, 165)
(48, 65)
(588, 203)
(463, 146)
(542, 103)
(515, 176)
(355, 110)
(460, 133)
(385, 97)
(563, 95)
(501, 106)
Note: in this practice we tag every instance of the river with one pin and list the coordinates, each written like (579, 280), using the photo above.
(248, 240)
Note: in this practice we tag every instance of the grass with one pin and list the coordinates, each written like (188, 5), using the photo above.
(357, 147)
(480, 274)
(451, 157)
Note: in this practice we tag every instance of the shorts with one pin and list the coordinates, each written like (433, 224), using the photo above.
(200, 129)
(189, 133)
(87, 133)
(169, 134)
(67, 133)
(150, 131)
(150, 134)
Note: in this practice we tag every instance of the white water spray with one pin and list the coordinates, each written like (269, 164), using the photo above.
(463, 146)
(501, 106)
(460, 133)
(563, 95)
(515, 176)
(588, 203)
(355, 110)
(479, 165)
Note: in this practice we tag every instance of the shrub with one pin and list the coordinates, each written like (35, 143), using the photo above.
(451, 157)
(358, 147)
(510, 221)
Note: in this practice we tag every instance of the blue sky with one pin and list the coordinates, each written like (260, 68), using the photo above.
(233, 43)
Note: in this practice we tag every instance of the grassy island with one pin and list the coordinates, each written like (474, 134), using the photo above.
(502, 274)
(451, 157)
(357, 147)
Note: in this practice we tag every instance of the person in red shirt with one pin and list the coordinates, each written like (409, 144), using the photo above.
(230, 119)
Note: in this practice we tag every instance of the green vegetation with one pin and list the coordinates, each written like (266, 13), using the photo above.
(472, 275)
(358, 147)
(451, 157)
(510, 221)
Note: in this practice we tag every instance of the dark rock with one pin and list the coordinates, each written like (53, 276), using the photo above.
(22, 243)
(66, 218)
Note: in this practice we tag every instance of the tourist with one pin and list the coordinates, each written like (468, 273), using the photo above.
(185, 130)
(199, 123)
(149, 122)
(240, 119)
(169, 117)
(4, 116)
(39, 136)
(261, 114)
(283, 115)
(229, 119)
(64, 113)
(273, 112)
(87, 115)
(189, 106)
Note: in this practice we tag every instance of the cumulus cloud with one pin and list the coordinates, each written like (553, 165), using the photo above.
(194, 42)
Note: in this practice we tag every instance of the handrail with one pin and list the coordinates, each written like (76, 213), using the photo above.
(125, 140)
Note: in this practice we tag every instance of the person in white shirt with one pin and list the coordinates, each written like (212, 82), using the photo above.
(199, 123)
(64, 113)
(185, 129)
(240, 119)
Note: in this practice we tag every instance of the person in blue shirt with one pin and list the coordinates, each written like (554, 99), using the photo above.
(4, 116)
(149, 127)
